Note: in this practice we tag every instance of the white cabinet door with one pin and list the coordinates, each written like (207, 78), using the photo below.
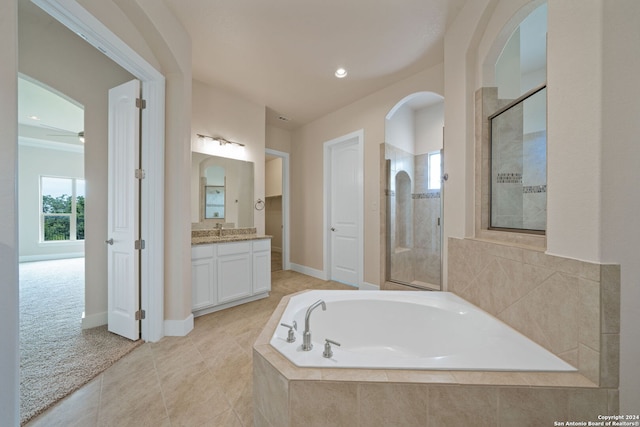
(203, 276)
(234, 272)
(261, 266)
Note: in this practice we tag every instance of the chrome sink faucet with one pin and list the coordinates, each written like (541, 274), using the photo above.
(306, 336)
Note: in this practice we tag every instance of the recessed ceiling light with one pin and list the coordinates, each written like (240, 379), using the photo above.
(341, 73)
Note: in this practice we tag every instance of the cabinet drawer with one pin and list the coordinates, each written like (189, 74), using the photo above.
(202, 251)
(262, 245)
(234, 248)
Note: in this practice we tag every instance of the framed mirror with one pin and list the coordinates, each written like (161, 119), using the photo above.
(221, 191)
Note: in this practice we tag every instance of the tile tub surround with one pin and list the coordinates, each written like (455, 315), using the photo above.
(570, 307)
(285, 395)
(214, 235)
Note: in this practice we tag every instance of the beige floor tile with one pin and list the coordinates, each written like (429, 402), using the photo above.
(203, 379)
(79, 409)
(226, 419)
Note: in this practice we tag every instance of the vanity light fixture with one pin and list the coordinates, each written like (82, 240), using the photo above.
(219, 140)
(341, 73)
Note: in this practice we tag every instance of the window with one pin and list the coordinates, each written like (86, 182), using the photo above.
(434, 171)
(62, 213)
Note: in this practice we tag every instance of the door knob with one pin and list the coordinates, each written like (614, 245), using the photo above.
(333, 229)
(110, 241)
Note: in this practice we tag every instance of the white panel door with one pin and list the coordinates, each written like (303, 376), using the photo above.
(344, 212)
(123, 211)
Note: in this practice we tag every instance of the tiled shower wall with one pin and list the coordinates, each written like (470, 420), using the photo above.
(570, 307)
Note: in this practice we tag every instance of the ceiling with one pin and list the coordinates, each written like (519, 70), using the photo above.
(45, 114)
(283, 53)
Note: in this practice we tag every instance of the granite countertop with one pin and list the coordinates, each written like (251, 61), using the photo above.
(204, 236)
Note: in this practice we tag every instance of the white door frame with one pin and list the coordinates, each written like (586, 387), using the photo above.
(286, 259)
(326, 235)
(80, 21)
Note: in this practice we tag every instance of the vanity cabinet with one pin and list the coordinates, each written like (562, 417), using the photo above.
(227, 274)
(262, 265)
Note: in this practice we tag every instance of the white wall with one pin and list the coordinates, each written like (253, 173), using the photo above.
(9, 350)
(218, 112)
(399, 129)
(34, 162)
(508, 69)
(429, 122)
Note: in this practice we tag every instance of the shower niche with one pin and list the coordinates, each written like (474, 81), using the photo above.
(412, 167)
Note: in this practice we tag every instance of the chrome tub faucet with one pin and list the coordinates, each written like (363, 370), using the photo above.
(306, 336)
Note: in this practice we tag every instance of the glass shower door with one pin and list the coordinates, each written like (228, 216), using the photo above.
(414, 218)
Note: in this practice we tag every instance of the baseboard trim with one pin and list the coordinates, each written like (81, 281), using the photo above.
(318, 274)
(94, 320)
(48, 257)
(178, 328)
(369, 287)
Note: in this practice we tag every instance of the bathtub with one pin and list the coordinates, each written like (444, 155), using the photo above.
(407, 330)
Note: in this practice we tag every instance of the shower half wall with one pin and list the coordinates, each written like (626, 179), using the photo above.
(413, 225)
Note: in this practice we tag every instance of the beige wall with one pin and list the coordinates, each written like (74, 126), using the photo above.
(592, 159)
(55, 56)
(307, 170)
(9, 350)
(155, 34)
(218, 112)
(278, 139)
(619, 198)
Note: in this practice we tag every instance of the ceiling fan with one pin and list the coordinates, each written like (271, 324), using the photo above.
(64, 133)
(79, 135)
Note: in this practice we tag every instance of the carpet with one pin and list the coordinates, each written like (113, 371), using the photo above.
(56, 355)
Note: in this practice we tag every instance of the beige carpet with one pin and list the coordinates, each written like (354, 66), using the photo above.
(56, 355)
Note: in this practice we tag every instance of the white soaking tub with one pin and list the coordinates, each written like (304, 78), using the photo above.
(407, 330)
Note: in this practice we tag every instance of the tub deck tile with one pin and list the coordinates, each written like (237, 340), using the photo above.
(422, 377)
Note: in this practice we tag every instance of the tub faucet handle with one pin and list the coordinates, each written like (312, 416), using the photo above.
(291, 336)
(327, 348)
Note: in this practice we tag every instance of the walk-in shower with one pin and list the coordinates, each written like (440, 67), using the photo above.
(413, 191)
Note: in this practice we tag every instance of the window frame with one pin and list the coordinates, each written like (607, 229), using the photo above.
(439, 180)
(73, 215)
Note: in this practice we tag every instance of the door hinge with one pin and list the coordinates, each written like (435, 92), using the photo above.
(140, 173)
(141, 103)
(141, 314)
(139, 244)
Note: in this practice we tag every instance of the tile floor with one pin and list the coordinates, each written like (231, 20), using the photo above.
(203, 379)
